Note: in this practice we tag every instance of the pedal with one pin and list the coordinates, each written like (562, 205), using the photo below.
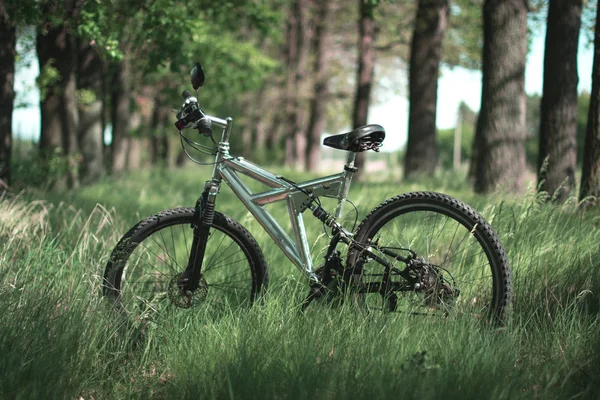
(316, 292)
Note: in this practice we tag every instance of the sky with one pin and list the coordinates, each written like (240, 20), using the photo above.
(455, 85)
(459, 84)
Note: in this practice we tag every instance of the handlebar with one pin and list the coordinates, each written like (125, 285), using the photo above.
(218, 122)
(192, 116)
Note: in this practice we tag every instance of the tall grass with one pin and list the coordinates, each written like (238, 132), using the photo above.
(59, 339)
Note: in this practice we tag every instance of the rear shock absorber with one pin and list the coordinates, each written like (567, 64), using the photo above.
(329, 220)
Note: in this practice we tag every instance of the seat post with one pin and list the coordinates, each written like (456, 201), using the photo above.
(349, 171)
(350, 160)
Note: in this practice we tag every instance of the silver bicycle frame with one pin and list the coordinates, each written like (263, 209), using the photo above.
(297, 249)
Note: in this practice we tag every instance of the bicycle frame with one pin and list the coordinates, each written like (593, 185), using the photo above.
(297, 249)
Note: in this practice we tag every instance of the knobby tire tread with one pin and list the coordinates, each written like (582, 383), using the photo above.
(451, 204)
(166, 218)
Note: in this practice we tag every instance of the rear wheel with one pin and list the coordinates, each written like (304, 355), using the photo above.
(452, 260)
(144, 275)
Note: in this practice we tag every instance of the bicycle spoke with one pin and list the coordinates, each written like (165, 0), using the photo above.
(144, 277)
(452, 267)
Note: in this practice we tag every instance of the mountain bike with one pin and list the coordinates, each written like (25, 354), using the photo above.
(421, 252)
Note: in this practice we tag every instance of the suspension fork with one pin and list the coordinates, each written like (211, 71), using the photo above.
(204, 215)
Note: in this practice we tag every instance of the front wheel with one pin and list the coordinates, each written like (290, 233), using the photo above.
(146, 269)
(428, 253)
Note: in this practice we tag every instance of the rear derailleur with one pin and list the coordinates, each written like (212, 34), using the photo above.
(435, 283)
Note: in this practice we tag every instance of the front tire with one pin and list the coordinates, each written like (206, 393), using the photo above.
(459, 263)
(141, 277)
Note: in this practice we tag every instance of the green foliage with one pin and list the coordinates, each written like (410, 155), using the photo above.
(445, 138)
(445, 145)
(85, 97)
(94, 24)
(48, 77)
(464, 39)
(32, 169)
(588, 20)
(23, 12)
(235, 63)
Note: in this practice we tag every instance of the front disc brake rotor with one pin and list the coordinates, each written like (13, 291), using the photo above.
(183, 298)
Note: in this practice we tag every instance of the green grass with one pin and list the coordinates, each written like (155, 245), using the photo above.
(59, 339)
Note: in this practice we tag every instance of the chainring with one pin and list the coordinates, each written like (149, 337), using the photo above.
(334, 288)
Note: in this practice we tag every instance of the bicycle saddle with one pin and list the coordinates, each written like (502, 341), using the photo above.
(368, 137)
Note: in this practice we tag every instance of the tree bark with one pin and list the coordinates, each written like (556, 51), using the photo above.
(7, 94)
(247, 122)
(590, 174)
(90, 130)
(160, 142)
(304, 37)
(425, 56)
(316, 125)
(135, 155)
(366, 68)
(259, 119)
(557, 155)
(298, 45)
(274, 133)
(57, 49)
(500, 133)
(120, 114)
(291, 89)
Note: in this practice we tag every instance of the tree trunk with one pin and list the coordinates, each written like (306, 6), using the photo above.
(260, 133)
(274, 133)
(298, 45)
(57, 50)
(316, 125)
(304, 37)
(278, 116)
(425, 56)
(90, 131)
(500, 133)
(558, 120)
(247, 122)
(7, 94)
(120, 113)
(291, 90)
(366, 67)
(590, 174)
(135, 155)
(135, 140)
(50, 102)
(160, 142)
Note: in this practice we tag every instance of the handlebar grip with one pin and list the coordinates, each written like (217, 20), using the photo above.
(205, 127)
(186, 94)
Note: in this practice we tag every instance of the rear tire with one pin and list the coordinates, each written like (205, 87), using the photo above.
(459, 250)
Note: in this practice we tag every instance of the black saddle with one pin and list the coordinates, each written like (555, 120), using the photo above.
(368, 137)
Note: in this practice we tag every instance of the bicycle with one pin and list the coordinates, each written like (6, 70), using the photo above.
(420, 252)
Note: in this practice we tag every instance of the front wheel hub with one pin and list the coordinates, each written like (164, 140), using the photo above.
(181, 296)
